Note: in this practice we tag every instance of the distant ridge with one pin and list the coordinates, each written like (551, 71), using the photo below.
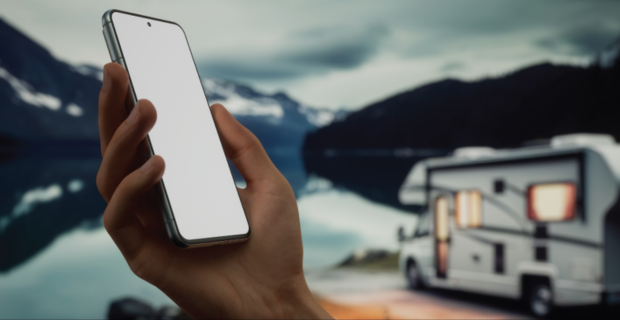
(536, 102)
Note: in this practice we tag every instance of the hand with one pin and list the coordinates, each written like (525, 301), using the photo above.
(260, 278)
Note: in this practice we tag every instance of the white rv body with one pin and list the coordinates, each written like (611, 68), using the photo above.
(507, 251)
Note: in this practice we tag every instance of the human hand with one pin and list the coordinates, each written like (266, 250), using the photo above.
(260, 278)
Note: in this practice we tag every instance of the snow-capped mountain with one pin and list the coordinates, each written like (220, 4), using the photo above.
(242, 100)
(43, 99)
(268, 116)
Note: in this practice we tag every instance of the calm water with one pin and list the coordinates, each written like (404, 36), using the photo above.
(57, 261)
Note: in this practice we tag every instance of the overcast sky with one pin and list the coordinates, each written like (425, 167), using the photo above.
(341, 54)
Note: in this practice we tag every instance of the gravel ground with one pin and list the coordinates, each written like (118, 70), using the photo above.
(351, 294)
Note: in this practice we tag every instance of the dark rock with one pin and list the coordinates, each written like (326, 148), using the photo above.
(130, 308)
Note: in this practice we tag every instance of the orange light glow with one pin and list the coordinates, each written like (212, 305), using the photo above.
(441, 219)
(468, 209)
(551, 202)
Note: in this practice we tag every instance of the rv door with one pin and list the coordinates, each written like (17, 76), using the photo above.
(423, 246)
(442, 236)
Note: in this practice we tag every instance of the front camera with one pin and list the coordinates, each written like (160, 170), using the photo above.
(148, 23)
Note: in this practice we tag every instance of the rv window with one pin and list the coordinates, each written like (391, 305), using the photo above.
(551, 201)
(442, 230)
(423, 228)
(468, 209)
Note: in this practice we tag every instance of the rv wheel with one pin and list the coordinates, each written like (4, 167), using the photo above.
(414, 276)
(540, 300)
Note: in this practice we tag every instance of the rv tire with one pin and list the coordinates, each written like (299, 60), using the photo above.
(414, 276)
(540, 299)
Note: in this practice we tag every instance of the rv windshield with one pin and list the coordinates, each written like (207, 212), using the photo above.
(423, 228)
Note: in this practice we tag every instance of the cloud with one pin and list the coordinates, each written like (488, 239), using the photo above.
(302, 53)
(339, 48)
(557, 27)
(452, 66)
(341, 53)
(252, 68)
(583, 40)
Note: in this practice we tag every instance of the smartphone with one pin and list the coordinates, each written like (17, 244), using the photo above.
(199, 198)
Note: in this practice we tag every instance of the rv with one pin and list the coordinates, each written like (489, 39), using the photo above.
(540, 224)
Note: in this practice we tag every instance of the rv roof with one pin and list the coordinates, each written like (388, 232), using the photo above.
(501, 155)
(473, 152)
(582, 139)
(412, 190)
(560, 145)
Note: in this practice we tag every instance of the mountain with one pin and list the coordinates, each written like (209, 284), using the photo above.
(372, 149)
(41, 98)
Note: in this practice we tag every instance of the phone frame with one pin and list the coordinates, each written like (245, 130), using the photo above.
(116, 55)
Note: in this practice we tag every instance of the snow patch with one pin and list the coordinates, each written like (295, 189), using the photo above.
(75, 185)
(319, 118)
(28, 94)
(35, 196)
(29, 201)
(239, 105)
(74, 110)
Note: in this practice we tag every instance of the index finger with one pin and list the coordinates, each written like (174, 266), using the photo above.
(243, 148)
(112, 99)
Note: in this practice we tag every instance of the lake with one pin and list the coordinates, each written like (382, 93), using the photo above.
(57, 261)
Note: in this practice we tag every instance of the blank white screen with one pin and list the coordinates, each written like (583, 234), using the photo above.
(200, 187)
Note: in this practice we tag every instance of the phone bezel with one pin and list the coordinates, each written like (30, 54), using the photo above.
(116, 55)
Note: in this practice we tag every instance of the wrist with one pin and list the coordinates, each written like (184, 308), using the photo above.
(299, 303)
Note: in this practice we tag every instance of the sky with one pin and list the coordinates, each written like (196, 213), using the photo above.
(341, 54)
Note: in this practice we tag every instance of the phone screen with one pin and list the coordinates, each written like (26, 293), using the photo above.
(198, 181)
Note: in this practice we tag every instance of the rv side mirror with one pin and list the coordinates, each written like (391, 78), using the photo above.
(401, 234)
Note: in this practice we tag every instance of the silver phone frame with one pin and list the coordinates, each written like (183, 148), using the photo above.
(116, 55)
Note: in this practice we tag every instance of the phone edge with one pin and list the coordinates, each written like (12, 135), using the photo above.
(115, 51)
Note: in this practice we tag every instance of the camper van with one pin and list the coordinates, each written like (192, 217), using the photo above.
(540, 224)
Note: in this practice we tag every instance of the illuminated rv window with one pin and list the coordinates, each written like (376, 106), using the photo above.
(441, 220)
(551, 201)
(468, 209)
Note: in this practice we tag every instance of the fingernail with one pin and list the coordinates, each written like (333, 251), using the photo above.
(134, 112)
(106, 80)
(147, 165)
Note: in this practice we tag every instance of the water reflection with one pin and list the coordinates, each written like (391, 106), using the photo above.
(76, 277)
(290, 164)
(336, 222)
(375, 174)
(57, 261)
(42, 197)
